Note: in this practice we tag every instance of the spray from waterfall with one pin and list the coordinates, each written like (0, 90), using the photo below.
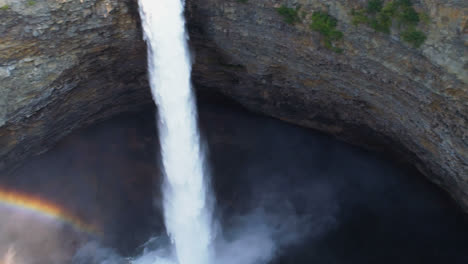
(187, 211)
(251, 238)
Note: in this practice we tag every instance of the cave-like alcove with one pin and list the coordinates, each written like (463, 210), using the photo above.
(290, 193)
(314, 156)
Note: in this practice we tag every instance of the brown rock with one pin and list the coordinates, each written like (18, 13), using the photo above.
(64, 64)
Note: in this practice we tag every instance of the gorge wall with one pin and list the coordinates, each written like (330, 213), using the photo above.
(67, 63)
(64, 64)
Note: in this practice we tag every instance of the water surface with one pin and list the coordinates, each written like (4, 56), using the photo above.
(343, 204)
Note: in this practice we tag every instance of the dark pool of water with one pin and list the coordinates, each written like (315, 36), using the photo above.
(351, 206)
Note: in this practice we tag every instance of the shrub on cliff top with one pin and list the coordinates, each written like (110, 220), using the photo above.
(326, 26)
(359, 17)
(414, 37)
(409, 16)
(290, 15)
(374, 6)
(380, 17)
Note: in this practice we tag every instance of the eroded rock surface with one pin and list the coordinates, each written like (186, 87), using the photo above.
(379, 91)
(66, 63)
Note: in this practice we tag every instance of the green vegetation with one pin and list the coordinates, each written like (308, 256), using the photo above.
(414, 37)
(424, 18)
(31, 3)
(321, 22)
(326, 26)
(359, 17)
(408, 16)
(376, 15)
(374, 6)
(380, 17)
(5, 7)
(290, 15)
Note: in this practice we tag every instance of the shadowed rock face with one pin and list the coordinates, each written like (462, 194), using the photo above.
(64, 64)
(378, 92)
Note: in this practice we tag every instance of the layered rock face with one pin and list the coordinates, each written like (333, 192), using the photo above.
(66, 63)
(379, 92)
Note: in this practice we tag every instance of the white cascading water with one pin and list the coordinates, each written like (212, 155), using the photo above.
(187, 212)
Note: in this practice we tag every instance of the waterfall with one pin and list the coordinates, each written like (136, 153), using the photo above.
(187, 211)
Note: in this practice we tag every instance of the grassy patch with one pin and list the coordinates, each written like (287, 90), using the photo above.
(326, 26)
(290, 15)
(380, 16)
(424, 18)
(5, 7)
(414, 37)
(31, 3)
(390, 9)
(374, 6)
(359, 17)
(408, 16)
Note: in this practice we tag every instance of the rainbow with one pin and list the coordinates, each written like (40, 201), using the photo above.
(41, 206)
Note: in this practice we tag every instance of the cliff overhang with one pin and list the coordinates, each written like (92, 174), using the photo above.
(65, 64)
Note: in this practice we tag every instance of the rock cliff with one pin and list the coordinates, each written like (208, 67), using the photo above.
(66, 63)
(63, 64)
(379, 91)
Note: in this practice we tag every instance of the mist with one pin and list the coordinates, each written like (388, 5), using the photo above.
(29, 238)
(257, 233)
(284, 194)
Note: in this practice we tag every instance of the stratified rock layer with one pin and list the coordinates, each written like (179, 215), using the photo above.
(379, 92)
(64, 64)
(67, 63)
